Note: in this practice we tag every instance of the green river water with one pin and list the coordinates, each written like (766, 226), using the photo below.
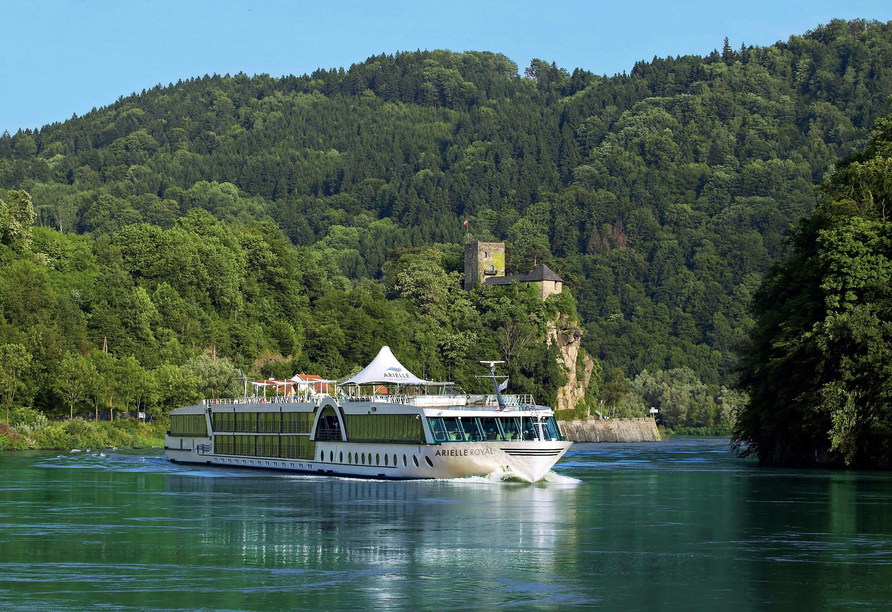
(677, 525)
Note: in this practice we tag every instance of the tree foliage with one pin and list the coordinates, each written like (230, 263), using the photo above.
(819, 368)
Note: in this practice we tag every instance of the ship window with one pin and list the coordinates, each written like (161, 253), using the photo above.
(349, 457)
(394, 461)
(510, 428)
(490, 428)
(438, 429)
(453, 431)
(553, 428)
(415, 460)
(529, 429)
(386, 459)
(331, 456)
(472, 429)
(405, 463)
(363, 458)
(377, 459)
(428, 461)
(341, 458)
(548, 430)
(321, 455)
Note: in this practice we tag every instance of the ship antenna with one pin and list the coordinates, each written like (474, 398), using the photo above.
(245, 381)
(495, 383)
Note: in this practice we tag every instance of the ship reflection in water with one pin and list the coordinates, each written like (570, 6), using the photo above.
(347, 529)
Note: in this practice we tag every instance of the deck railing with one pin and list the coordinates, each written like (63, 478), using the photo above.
(282, 399)
(452, 402)
(327, 433)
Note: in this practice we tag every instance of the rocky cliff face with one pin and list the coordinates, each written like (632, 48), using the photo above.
(577, 364)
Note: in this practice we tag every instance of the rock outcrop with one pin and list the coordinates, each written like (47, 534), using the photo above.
(577, 364)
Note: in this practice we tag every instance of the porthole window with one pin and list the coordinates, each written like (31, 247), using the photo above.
(386, 460)
(331, 456)
(377, 459)
(428, 461)
(405, 463)
(363, 458)
(349, 457)
(394, 461)
(415, 460)
(341, 458)
(321, 455)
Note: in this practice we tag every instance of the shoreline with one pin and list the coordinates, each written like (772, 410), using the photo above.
(80, 434)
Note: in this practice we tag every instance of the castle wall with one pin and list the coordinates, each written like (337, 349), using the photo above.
(547, 288)
(483, 259)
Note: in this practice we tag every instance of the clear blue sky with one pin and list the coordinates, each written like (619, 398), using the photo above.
(66, 56)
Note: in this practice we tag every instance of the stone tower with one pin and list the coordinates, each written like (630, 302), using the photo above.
(483, 260)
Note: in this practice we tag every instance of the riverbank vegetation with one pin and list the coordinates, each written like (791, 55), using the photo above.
(152, 249)
(819, 368)
(29, 429)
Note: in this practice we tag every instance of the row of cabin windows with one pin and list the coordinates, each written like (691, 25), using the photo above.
(398, 428)
(366, 459)
(285, 447)
(188, 425)
(263, 422)
(478, 429)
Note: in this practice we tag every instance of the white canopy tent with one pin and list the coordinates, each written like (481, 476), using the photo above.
(385, 368)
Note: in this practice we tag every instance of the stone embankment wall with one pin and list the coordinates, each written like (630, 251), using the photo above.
(611, 430)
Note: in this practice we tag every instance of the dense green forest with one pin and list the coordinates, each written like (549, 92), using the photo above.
(819, 367)
(300, 222)
(154, 317)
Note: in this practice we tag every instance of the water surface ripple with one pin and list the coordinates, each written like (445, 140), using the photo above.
(676, 525)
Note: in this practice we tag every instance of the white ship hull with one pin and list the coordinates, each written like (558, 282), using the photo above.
(529, 461)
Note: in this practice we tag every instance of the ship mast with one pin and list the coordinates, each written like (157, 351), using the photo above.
(495, 383)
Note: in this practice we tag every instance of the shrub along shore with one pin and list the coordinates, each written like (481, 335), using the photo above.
(41, 434)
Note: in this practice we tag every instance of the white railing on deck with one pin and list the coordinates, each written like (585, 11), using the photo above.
(257, 400)
(454, 402)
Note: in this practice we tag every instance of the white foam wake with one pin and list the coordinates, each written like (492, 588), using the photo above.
(510, 476)
(554, 477)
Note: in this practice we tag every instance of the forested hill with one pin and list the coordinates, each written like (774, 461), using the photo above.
(661, 195)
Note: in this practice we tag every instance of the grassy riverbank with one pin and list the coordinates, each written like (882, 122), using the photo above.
(78, 433)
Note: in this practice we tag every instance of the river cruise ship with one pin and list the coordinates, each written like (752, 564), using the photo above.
(382, 423)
